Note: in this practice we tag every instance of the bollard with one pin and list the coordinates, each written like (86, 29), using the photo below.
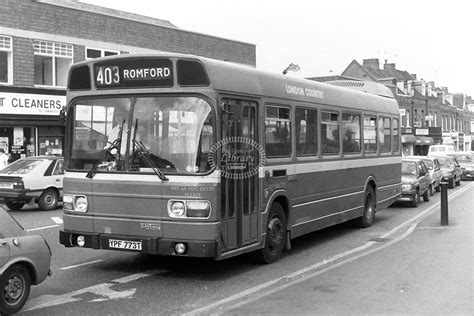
(444, 204)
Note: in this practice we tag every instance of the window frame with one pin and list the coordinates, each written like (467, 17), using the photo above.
(8, 48)
(56, 51)
(102, 52)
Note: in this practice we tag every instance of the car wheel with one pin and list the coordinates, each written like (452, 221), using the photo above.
(431, 190)
(368, 215)
(416, 199)
(15, 285)
(426, 195)
(48, 200)
(438, 188)
(275, 238)
(458, 183)
(14, 205)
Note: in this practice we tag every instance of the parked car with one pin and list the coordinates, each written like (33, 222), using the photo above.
(415, 180)
(434, 168)
(441, 150)
(466, 161)
(25, 260)
(33, 179)
(451, 170)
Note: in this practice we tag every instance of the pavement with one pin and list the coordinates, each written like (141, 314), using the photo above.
(428, 271)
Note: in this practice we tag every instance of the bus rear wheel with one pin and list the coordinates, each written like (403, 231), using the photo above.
(368, 215)
(275, 237)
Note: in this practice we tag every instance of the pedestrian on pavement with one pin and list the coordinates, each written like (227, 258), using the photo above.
(3, 159)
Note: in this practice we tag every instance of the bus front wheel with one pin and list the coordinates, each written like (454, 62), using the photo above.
(275, 237)
(368, 214)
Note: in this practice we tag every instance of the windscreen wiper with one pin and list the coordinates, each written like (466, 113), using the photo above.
(142, 151)
(109, 151)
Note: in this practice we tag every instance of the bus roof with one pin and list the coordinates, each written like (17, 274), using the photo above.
(227, 77)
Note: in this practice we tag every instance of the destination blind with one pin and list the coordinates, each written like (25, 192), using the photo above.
(132, 73)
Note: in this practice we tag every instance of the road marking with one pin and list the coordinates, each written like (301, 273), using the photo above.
(57, 219)
(41, 228)
(80, 265)
(225, 305)
(103, 290)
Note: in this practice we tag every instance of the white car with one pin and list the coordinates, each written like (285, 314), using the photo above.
(33, 179)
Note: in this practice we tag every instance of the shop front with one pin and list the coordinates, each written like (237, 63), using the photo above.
(30, 122)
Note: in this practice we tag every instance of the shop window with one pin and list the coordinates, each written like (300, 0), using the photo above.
(96, 53)
(52, 62)
(5, 59)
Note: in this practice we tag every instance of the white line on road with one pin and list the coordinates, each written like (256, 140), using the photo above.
(57, 219)
(80, 265)
(41, 228)
(299, 276)
(103, 290)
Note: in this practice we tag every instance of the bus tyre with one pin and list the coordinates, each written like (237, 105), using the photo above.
(368, 215)
(14, 205)
(15, 285)
(48, 200)
(275, 237)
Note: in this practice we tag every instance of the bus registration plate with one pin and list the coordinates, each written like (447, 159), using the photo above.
(125, 244)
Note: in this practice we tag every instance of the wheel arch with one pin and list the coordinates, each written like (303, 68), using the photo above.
(371, 183)
(281, 197)
(29, 266)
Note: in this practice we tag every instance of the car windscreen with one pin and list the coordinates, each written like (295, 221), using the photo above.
(408, 167)
(428, 163)
(22, 166)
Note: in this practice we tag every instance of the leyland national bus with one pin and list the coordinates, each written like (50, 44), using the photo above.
(180, 155)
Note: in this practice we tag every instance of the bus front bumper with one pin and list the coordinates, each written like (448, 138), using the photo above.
(156, 246)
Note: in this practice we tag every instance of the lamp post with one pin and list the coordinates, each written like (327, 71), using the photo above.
(291, 67)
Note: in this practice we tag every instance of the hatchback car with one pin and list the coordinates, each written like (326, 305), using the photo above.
(432, 163)
(24, 261)
(33, 179)
(415, 181)
(451, 170)
(466, 161)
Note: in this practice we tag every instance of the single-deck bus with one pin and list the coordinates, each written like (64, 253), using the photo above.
(180, 155)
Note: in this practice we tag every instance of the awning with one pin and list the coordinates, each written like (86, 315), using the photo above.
(424, 141)
(408, 139)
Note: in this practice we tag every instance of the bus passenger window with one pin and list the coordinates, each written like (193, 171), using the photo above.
(370, 136)
(384, 134)
(277, 132)
(306, 132)
(395, 135)
(351, 133)
(330, 138)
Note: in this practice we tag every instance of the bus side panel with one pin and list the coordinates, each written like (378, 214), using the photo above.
(339, 195)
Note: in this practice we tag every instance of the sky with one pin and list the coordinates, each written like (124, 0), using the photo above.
(432, 39)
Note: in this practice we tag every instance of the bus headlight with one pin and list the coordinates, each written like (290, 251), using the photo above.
(198, 209)
(176, 209)
(184, 209)
(75, 203)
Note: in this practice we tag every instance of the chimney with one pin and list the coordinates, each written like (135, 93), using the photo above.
(371, 63)
(389, 66)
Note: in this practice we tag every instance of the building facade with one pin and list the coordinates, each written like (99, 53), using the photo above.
(41, 39)
(429, 115)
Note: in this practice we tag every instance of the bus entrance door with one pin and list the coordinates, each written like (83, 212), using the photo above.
(239, 174)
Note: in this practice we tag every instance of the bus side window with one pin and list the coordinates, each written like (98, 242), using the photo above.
(351, 133)
(277, 131)
(370, 134)
(330, 133)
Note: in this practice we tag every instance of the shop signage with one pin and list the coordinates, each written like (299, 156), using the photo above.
(31, 104)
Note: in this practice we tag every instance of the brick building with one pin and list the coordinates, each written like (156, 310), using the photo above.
(428, 114)
(40, 39)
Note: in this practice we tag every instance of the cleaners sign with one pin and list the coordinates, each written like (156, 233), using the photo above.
(31, 104)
